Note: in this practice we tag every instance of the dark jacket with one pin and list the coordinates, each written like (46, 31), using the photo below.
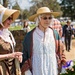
(67, 31)
(28, 50)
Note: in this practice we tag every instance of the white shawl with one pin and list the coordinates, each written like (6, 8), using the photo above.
(5, 35)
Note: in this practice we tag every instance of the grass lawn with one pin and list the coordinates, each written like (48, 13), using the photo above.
(19, 27)
(15, 28)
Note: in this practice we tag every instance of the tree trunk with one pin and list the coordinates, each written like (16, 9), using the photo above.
(5, 3)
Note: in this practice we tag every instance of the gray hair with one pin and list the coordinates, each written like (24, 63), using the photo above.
(37, 20)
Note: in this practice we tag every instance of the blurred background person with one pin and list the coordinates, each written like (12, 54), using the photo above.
(67, 34)
(26, 27)
(55, 24)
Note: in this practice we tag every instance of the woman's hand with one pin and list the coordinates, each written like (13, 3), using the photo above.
(20, 58)
(17, 55)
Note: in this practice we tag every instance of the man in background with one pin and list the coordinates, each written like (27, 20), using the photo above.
(67, 34)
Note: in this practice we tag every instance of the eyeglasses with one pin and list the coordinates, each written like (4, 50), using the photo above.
(45, 18)
(9, 18)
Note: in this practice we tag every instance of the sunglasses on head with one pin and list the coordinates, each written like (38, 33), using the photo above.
(45, 18)
(10, 18)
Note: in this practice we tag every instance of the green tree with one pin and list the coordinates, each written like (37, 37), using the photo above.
(52, 4)
(5, 3)
(68, 8)
(16, 6)
(26, 14)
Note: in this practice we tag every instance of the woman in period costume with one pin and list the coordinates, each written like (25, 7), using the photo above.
(39, 47)
(7, 42)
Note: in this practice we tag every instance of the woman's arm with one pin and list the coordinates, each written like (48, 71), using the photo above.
(11, 55)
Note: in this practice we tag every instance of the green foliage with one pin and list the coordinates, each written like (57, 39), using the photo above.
(25, 14)
(16, 6)
(5, 3)
(68, 8)
(52, 4)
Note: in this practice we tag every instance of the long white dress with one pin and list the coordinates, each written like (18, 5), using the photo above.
(44, 57)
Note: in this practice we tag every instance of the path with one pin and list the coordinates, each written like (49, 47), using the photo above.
(71, 55)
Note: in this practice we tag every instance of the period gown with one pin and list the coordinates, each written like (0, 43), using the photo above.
(7, 66)
(39, 54)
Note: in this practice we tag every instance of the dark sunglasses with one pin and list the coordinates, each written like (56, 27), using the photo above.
(45, 18)
(10, 18)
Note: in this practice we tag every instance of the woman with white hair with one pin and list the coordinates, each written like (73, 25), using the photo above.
(39, 46)
(7, 42)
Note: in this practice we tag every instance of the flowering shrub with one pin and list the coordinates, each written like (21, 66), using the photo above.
(70, 71)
